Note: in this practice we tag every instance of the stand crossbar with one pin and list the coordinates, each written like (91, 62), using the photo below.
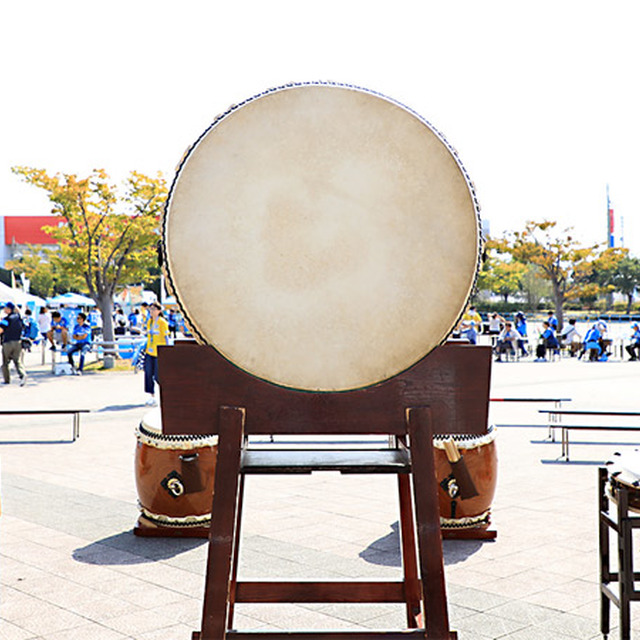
(422, 589)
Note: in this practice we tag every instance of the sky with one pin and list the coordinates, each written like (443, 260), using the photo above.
(541, 100)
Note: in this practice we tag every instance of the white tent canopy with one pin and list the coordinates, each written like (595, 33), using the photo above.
(19, 297)
(73, 299)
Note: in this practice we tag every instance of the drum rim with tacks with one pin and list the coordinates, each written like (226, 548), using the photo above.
(624, 471)
(321, 237)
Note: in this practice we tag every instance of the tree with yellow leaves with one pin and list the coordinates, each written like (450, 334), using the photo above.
(108, 238)
(561, 260)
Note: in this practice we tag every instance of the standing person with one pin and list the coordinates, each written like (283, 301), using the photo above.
(172, 321)
(521, 328)
(11, 335)
(120, 322)
(81, 336)
(135, 322)
(44, 324)
(496, 322)
(157, 331)
(552, 320)
(472, 315)
(29, 330)
(144, 313)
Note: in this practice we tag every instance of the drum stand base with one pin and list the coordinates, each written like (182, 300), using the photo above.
(469, 534)
(146, 529)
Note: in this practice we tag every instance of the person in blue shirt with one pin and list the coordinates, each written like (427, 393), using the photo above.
(81, 336)
(633, 348)
(592, 343)
(548, 340)
(552, 320)
(59, 331)
(135, 323)
(521, 328)
(29, 330)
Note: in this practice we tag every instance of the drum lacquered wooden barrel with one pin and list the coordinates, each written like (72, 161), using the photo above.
(481, 459)
(174, 479)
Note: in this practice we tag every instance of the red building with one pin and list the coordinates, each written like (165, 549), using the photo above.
(18, 231)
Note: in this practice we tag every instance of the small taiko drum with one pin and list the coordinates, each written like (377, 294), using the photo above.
(624, 472)
(174, 479)
(467, 517)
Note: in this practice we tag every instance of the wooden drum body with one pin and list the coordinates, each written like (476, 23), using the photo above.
(174, 480)
(467, 517)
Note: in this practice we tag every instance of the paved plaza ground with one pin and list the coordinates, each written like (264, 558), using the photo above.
(70, 567)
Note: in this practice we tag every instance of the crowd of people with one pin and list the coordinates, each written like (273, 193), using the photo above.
(73, 333)
(510, 337)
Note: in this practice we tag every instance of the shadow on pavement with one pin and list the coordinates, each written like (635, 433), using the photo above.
(126, 548)
(22, 442)
(121, 407)
(386, 551)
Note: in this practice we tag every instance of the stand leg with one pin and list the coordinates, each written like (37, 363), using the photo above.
(408, 546)
(625, 564)
(236, 555)
(223, 521)
(603, 539)
(428, 525)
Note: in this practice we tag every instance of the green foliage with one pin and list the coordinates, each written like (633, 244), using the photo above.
(107, 238)
(45, 272)
(558, 257)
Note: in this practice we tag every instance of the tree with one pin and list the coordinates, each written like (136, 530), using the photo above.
(500, 276)
(43, 269)
(107, 238)
(561, 260)
(620, 272)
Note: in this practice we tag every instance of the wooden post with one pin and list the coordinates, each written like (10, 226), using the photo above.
(428, 525)
(223, 522)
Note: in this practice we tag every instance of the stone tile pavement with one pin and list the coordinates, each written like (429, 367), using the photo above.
(70, 567)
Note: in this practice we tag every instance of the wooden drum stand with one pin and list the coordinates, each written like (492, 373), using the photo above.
(446, 392)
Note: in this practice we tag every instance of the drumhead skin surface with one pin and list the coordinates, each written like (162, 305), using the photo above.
(321, 237)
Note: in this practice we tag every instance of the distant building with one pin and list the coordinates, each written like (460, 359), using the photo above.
(18, 231)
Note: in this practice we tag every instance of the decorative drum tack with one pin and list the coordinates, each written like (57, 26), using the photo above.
(174, 479)
(481, 460)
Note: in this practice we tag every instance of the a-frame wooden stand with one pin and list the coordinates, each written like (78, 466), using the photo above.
(447, 392)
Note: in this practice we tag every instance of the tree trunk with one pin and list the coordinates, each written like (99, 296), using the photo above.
(629, 302)
(105, 305)
(558, 299)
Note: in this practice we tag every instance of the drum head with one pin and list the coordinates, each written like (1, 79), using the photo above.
(626, 468)
(321, 237)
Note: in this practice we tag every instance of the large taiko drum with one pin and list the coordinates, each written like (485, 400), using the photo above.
(466, 516)
(321, 237)
(174, 479)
